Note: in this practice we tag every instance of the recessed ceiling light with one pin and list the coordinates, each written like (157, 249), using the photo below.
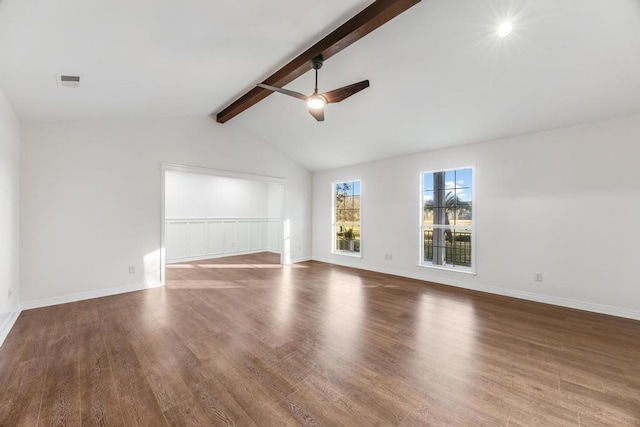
(505, 29)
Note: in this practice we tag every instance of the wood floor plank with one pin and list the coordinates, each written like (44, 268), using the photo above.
(219, 405)
(191, 369)
(99, 400)
(619, 411)
(137, 401)
(188, 413)
(61, 396)
(261, 406)
(22, 398)
(16, 345)
(244, 340)
(35, 342)
(160, 372)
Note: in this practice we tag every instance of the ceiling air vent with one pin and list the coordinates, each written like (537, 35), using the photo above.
(67, 80)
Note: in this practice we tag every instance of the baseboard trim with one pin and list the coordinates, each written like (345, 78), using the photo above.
(223, 255)
(545, 299)
(65, 299)
(6, 326)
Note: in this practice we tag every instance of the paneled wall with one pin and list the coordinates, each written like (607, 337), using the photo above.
(197, 238)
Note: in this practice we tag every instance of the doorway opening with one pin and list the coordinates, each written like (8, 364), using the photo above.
(212, 217)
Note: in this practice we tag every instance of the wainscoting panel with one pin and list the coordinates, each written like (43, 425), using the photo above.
(265, 235)
(199, 238)
(243, 231)
(230, 232)
(256, 235)
(215, 235)
(176, 240)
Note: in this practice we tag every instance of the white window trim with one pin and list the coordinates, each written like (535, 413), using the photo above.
(447, 267)
(462, 270)
(334, 251)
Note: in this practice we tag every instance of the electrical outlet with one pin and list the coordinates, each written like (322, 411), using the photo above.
(388, 257)
(10, 293)
(132, 269)
(538, 277)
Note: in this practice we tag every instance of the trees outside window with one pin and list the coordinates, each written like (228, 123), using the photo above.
(346, 217)
(447, 219)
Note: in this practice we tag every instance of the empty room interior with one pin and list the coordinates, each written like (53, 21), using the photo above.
(354, 212)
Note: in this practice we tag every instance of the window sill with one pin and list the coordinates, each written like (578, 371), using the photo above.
(463, 270)
(348, 253)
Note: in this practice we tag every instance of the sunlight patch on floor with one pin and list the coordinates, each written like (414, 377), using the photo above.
(239, 266)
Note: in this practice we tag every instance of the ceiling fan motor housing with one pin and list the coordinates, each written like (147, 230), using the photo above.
(317, 62)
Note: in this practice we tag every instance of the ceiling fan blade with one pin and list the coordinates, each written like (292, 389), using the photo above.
(343, 93)
(284, 91)
(317, 113)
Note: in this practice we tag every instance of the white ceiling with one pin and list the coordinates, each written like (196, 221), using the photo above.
(439, 74)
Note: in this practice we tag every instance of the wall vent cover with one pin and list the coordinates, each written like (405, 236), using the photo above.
(68, 80)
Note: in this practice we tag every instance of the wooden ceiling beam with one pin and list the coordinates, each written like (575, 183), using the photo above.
(370, 18)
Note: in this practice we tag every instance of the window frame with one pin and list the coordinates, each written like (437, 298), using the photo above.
(421, 226)
(334, 223)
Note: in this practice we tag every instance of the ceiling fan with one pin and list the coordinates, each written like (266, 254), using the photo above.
(317, 101)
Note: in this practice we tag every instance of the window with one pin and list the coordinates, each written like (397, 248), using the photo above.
(447, 219)
(346, 217)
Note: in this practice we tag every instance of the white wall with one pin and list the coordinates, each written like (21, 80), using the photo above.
(193, 195)
(91, 198)
(565, 203)
(275, 197)
(9, 213)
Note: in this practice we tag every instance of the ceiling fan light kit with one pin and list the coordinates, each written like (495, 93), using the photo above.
(316, 101)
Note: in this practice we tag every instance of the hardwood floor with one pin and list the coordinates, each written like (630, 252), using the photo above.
(242, 341)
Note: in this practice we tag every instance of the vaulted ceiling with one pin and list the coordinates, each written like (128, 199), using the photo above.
(440, 75)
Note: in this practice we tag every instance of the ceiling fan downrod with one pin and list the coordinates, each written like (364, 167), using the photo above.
(316, 63)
